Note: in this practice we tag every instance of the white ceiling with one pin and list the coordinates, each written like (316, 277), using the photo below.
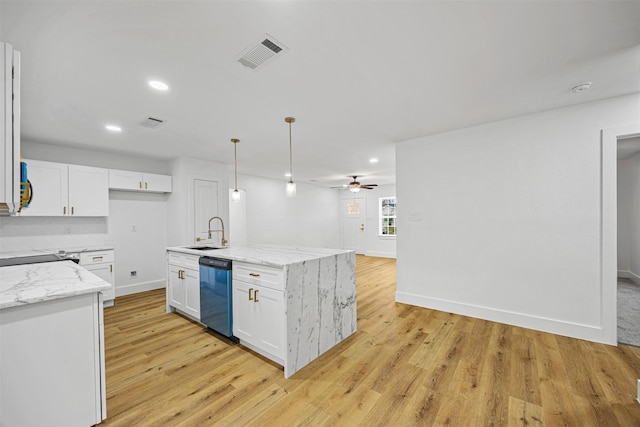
(359, 76)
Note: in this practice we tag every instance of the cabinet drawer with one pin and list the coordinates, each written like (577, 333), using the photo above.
(261, 275)
(88, 258)
(184, 260)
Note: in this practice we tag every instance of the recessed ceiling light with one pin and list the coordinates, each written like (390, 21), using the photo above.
(373, 160)
(113, 128)
(156, 84)
(582, 87)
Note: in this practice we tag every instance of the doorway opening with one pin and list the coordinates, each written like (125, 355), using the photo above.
(610, 141)
(628, 240)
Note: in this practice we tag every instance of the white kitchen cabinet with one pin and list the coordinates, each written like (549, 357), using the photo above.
(138, 181)
(67, 190)
(259, 309)
(101, 263)
(183, 284)
(9, 129)
(52, 366)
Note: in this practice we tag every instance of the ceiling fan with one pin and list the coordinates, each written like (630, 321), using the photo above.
(354, 186)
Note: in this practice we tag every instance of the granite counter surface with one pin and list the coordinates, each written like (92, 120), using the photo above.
(33, 283)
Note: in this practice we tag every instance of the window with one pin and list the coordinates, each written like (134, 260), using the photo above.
(387, 206)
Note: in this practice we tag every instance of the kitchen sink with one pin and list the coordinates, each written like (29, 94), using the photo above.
(202, 248)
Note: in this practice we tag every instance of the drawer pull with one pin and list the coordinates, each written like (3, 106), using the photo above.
(250, 297)
(73, 210)
(64, 210)
(255, 296)
(140, 182)
(254, 275)
(111, 268)
(97, 258)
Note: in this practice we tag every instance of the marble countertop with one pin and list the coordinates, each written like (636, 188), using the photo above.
(270, 255)
(33, 283)
(15, 254)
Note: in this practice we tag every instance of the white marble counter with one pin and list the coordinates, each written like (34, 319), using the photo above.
(31, 252)
(269, 255)
(33, 283)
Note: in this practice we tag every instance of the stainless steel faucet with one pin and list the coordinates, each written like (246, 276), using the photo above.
(223, 240)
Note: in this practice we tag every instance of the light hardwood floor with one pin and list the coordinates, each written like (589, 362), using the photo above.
(405, 366)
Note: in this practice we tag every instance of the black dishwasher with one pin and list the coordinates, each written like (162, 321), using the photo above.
(215, 295)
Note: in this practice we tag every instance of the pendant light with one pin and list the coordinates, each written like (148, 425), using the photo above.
(235, 196)
(291, 186)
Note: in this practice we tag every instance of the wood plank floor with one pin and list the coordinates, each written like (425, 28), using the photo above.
(405, 366)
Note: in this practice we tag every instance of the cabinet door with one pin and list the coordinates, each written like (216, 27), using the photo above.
(192, 292)
(125, 180)
(49, 183)
(270, 316)
(158, 183)
(176, 287)
(105, 272)
(88, 191)
(244, 310)
(258, 317)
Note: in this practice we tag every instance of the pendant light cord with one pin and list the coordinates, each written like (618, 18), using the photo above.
(290, 155)
(235, 156)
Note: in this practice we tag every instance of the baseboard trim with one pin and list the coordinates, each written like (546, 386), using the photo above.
(139, 287)
(554, 326)
(629, 275)
(381, 254)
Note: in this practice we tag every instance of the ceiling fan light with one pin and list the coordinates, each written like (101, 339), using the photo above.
(354, 189)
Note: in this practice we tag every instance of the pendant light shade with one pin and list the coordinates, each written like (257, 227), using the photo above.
(235, 196)
(291, 186)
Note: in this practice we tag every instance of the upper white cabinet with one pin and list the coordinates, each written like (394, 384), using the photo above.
(9, 129)
(137, 181)
(67, 190)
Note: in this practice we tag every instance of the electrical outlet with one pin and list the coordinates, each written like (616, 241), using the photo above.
(133, 274)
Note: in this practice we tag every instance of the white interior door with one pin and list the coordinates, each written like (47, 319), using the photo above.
(353, 224)
(206, 207)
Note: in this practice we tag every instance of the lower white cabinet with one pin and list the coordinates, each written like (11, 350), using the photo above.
(183, 284)
(101, 263)
(259, 309)
(53, 374)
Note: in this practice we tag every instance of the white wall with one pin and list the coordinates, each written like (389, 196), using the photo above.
(142, 251)
(309, 219)
(629, 217)
(138, 230)
(506, 219)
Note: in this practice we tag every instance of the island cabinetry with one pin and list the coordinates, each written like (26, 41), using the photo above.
(138, 181)
(259, 309)
(67, 190)
(183, 290)
(101, 263)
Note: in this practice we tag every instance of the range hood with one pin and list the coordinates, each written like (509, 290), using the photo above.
(10, 130)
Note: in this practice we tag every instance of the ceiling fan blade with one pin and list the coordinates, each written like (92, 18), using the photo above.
(368, 185)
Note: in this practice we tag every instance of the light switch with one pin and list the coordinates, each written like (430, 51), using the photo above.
(415, 216)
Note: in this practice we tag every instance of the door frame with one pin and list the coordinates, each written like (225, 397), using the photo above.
(609, 227)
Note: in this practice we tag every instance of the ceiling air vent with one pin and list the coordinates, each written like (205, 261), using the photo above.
(266, 50)
(151, 122)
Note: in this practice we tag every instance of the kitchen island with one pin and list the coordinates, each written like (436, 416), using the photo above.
(51, 345)
(290, 304)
